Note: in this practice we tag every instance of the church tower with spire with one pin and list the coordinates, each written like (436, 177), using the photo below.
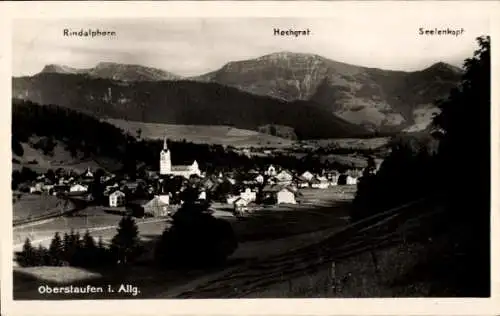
(165, 162)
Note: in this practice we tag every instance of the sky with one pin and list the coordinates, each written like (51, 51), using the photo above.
(193, 46)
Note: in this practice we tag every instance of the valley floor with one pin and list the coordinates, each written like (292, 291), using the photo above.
(265, 233)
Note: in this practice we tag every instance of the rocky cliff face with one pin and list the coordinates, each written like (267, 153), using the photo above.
(372, 97)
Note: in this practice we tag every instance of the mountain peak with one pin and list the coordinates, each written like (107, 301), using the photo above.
(61, 69)
(289, 55)
(442, 66)
(116, 71)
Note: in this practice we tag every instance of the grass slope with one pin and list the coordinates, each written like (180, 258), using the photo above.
(205, 134)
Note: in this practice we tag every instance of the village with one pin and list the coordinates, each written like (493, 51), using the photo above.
(159, 193)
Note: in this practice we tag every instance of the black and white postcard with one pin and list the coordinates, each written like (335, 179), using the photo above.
(170, 153)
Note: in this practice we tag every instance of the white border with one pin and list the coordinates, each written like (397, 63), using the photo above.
(50, 10)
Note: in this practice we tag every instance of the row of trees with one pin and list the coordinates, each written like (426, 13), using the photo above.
(83, 251)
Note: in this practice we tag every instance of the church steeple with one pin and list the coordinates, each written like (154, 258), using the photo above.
(165, 147)
(165, 162)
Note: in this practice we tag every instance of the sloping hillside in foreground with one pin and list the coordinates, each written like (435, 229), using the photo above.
(388, 255)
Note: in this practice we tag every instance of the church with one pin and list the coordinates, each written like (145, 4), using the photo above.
(166, 167)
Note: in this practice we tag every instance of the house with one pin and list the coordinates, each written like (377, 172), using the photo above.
(284, 177)
(202, 195)
(307, 176)
(49, 188)
(322, 183)
(271, 171)
(240, 204)
(248, 195)
(345, 179)
(78, 188)
(351, 180)
(156, 207)
(166, 167)
(117, 199)
(164, 198)
(278, 194)
(259, 179)
(286, 196)
(231, 199)
(61, 189)
(208, 184)
(37, 188)
(88, 174)
(302, 182)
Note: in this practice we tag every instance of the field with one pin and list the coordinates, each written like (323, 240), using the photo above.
(61, 158)
(32, 205)
(205, 134)
(265, 233)
(349, 143)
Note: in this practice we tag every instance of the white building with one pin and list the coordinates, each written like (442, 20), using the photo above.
(78, 188)
(284, 177)
(279, 194)
(37, 188)
(307, 176)
(202, 195)
(117, 199)
(248, 195)
(166, 167)
(351, 180)
(164, 198)
(240, 203)
(156, 206)
(259, 179)
(285, 196)
(88, 174)
(271, 171)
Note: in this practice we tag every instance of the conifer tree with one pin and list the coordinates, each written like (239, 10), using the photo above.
(66, 246)
(125, 244)
(41, 255)
(27, 256)
(88, 241)
(88, 250)
(56, 250)
(101, 254)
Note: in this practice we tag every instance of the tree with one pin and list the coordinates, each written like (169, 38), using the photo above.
(88, 241)
(42, 256)
(26, 258)
(370, 168)
(97, 188)
(465, 115)
(56, 250)
(71, 244)
(125, 245)
(88, 250)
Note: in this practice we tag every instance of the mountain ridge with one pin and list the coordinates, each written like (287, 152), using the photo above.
(376, 99)
(116, 71)
(180, 102)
